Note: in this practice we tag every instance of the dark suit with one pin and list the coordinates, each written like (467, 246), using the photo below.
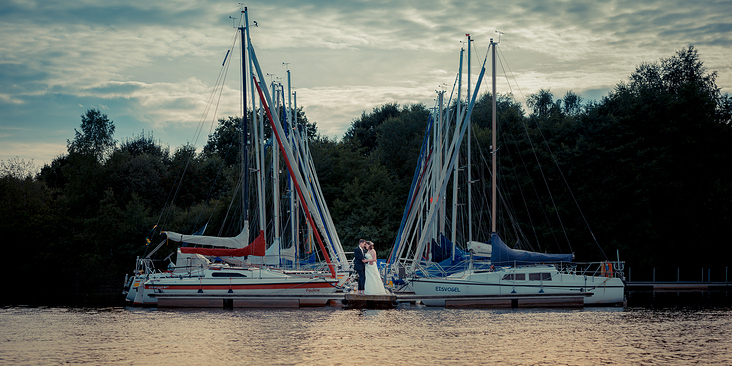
(358, 265)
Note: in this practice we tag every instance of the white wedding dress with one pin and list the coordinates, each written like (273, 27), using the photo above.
(374, 285)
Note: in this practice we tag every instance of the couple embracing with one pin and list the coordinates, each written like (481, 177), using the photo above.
(369, 280)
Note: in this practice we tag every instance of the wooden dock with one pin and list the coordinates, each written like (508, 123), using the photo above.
(543, 300)
(678, 286)
(679, 293)
(360, 301)
(230, 301)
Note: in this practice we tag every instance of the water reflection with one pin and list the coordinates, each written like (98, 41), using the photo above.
(407, 335)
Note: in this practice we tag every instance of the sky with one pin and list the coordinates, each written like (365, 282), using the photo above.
(151, 66)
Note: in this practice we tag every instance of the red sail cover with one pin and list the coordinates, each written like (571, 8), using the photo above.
(257, 247)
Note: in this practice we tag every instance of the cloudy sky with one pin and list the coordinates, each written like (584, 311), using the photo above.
(151, 65)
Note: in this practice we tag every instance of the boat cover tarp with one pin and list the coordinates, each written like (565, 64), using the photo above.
(257, 247)
(502, 255)
(239, 241)
(448, 266)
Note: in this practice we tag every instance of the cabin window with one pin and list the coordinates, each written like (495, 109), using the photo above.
(514, 277)
(227, 274)
(540, 276)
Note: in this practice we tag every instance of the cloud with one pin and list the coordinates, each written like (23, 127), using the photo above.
(40, 153)
(154, 65)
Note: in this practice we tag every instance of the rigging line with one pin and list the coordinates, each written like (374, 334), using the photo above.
(521, 190)
(231, 203)
(452, 92)
(572, 194)
(508, 82)
(213, 187)
(531, 180)
(506, 200)
(521, 233)
(222, 78)
(562, 174)
(217, 86)
(541, 169)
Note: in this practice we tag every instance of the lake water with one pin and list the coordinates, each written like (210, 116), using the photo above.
(409, 335)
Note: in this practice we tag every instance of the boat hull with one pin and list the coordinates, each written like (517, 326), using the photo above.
(601, 291)
(246, 282)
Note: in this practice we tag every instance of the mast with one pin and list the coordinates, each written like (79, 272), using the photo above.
(244, 133)
(292, 169)
(259, 152)
(438, 159)
(493, 135)
(275, 178)
(297, 207)
(470, 175)
(455, 175)
(293, 199)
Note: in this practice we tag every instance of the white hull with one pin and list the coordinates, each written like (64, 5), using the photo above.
(226, 281)
(526, 280)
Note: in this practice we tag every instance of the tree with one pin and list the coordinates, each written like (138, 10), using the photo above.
(363, 130)
(225, 141)
(542, 102)
(95, 137)
(17, 168)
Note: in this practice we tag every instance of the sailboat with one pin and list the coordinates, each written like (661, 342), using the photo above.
(428, 263)
(234, 265)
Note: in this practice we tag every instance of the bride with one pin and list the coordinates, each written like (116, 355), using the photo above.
(374, 284)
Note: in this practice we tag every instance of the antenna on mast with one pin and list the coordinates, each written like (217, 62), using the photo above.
(499, 36)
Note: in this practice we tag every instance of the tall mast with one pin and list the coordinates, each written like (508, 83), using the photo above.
(455, 176)
(494, 132)
(293, 199)
(258, 148)
(244, 133)
(275, 175)
(297, 207)
(439, 159)
(470, 175)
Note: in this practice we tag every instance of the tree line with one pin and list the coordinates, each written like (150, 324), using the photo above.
(644, 172)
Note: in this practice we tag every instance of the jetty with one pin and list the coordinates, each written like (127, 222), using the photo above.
(361, 301)
(678, 293)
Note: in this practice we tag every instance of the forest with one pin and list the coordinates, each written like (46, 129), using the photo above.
(643, 173)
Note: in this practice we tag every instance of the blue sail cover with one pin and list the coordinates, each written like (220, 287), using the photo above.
(502, 255)
(446, 265)
(442, 250)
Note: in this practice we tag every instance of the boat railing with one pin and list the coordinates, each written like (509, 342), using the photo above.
(145, 266)
(602, 269)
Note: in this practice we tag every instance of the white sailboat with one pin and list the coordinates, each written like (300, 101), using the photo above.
(252, 268)
(426, 262)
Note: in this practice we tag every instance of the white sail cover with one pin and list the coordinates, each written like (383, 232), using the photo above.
(274, 255)
(236, 242)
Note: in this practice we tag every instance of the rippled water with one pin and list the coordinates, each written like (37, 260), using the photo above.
(327, 336)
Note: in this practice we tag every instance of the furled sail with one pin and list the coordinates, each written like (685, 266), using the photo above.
(239, 241)
(502, 255)
(257, 247)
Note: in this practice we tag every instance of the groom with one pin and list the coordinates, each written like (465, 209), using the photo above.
(358, 264)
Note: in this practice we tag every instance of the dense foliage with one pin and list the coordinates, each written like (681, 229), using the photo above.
(644, 171)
